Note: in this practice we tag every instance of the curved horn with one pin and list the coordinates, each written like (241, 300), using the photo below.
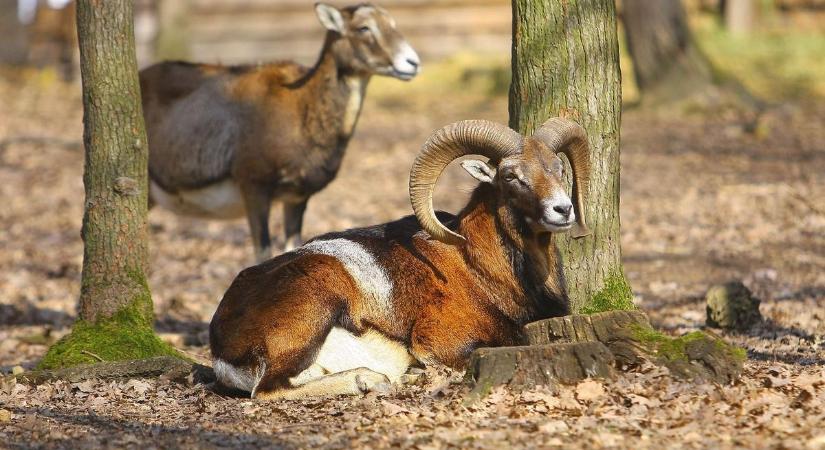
(568, 137)
(467, 137)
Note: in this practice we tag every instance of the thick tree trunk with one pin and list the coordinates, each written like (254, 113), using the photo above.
(666, 62)
(115, 176)
(565, 63)
(115, 307)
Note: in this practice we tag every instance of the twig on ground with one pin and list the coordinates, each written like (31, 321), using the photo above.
(92, 355)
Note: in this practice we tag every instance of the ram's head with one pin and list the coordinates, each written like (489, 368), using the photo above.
(527, 173)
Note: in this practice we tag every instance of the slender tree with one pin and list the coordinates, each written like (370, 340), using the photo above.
(565, 62)
(739, 15)
(115, 309)
(666, 62)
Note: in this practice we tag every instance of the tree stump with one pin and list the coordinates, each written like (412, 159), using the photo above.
(535, 365)
(571, 348)
(632, 341)
(613, 329)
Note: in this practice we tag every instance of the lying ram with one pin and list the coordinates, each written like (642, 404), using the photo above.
(228, 141)
(353, 310)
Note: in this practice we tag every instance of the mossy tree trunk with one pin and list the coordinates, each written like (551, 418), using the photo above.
(667, 64)
(565, 63)
(115, 309)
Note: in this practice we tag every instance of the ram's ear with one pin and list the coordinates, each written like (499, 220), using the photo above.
(330, 17)
(479, 170)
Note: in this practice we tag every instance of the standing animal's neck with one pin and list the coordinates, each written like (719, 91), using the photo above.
(524, 268)
(338, 87)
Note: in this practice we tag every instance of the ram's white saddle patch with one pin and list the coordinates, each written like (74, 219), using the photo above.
(362, 266)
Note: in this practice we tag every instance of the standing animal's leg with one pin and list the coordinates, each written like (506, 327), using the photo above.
(293, 221)
(257, 202)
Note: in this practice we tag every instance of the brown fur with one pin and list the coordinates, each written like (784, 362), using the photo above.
(446, 300)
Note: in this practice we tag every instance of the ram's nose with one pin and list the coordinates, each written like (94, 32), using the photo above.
(564, 209)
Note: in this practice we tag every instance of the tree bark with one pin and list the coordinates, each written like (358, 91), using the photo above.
(565, 62)
(115, 313)
(538, 365)
(666, 62)
(632, 342)
(115, 252)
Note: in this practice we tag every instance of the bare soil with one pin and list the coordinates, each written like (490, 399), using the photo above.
(703, 202)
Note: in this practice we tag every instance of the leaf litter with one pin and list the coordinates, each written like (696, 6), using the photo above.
(715, 219)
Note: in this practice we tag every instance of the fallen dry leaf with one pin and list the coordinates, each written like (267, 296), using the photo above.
(553, 427)
(589, 390)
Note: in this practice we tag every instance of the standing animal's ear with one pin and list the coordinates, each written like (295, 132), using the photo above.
(479, 170)
(330, 17)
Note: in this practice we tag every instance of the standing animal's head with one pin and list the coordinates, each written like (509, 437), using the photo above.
(526, 173)
(368, 41)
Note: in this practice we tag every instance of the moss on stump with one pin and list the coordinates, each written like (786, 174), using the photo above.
(695, 355)
(128, 335)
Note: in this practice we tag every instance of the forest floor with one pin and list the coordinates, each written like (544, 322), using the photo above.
(703, 202)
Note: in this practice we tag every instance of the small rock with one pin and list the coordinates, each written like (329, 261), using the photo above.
(17, 370)
(732, 306)
(5, 415)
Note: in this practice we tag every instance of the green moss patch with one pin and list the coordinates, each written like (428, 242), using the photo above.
(615, 295)
(675, 348)
(126, 336)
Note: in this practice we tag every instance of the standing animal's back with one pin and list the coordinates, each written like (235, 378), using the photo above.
(193, 125)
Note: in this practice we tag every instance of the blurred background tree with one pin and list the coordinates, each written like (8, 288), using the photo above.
(666, 62)
(739, 15)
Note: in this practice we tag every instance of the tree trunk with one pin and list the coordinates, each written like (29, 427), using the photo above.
(739, 16)
(565, 63)
(172, 41)
(13, 45)
(115, 176)
(667, 64)
(115, 307)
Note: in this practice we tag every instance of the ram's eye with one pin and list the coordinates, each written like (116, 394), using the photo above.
(509, 177)
(364, 29)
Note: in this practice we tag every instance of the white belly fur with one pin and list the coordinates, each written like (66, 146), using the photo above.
(221, 200)
(343, 351)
